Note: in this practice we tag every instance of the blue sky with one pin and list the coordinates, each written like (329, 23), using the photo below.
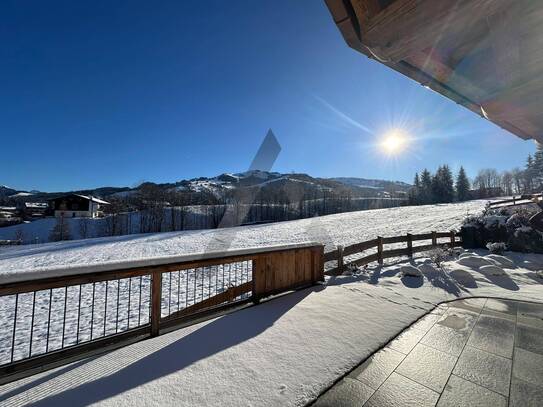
(113, 93)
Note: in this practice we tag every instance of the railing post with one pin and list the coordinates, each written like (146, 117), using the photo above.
(453, 239)
(340, 265)
(156, 301)
(256, 276)
(410, 245)
(434, 238)
(380, 249)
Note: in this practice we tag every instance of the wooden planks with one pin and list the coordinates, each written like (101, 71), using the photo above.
(483, 54)
(226, 296)
(286, 270)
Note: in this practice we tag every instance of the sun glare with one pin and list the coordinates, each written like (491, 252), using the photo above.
(394, 142)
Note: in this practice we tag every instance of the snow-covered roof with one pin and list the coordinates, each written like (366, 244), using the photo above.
(89, 198)
(19, 194)
(93, 199)
(36, 205)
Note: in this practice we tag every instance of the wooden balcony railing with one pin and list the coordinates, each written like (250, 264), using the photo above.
(72, 313)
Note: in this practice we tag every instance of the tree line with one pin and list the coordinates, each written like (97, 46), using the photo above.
(443, 186)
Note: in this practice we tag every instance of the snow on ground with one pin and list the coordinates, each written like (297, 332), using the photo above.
(284, 351)
(91, 317)
(344, 229)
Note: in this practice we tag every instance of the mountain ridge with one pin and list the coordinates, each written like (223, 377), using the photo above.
(225, 182)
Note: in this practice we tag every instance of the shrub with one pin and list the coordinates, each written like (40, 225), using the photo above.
(496, 247)
(440, 255)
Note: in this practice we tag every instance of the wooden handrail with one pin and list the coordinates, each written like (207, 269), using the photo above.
(267, 271)
(381, 254)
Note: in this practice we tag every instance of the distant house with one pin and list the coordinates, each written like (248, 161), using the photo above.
(34, 210)
(9, 216)
(78, 206)
(383, 194)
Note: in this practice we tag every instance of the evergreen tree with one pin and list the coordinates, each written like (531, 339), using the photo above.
(462, 185)
(529, 174)
(414, 193)
(425, 195)
(537, 167)
(443, 185)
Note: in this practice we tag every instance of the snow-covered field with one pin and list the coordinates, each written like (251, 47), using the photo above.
(80, 313)
(284, 351)
(332, 230)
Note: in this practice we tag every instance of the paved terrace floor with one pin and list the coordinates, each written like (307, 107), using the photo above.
(473, 352)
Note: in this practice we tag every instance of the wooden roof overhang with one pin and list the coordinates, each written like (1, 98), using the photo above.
(486, 55)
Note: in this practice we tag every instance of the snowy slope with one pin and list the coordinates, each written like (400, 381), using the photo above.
(344, 229)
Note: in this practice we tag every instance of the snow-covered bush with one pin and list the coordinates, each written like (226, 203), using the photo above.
(503, 227)
(410, 271)
(496, 247)
(440, 255)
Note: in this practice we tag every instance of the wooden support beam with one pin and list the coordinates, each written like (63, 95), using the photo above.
(340, 265)
(410, 245)
(156, 302)
(380, 250)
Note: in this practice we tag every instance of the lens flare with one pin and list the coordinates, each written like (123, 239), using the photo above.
(394, 142)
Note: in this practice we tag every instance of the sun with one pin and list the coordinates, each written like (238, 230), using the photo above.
(394, 142)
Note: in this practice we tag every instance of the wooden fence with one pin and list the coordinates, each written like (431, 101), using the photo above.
(71, 314)
(10, 242)
(340, 254)
(517, 200)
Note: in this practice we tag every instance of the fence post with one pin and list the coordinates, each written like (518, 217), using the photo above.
(410, 245)
(156, 300)
(434, 238)
(380, 249)
(340, 265)
(453, 239)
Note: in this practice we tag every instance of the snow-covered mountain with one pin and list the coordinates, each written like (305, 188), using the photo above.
(373, 183)
(227, 182)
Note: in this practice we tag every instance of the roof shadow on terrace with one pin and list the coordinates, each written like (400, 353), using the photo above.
(214, 337)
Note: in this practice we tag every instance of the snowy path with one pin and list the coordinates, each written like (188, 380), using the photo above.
(344, 229)
(282, 352)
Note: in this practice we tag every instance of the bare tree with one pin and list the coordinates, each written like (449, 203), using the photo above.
(83, 228)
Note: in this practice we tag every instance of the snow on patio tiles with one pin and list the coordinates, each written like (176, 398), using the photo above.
(374, 371)
(398, 390)
(475, 378)
(494, 335)
(485, 369)
(528, 366)
(427, 366)
(460, 392)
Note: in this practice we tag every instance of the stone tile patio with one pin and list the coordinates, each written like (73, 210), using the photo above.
(472, 352)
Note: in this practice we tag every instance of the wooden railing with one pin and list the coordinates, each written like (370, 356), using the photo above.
(517, 200)
(10, 242)
(340, 254)
(73, 313)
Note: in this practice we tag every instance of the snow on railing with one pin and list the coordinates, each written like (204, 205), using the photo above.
(340, 254)
(64, 315)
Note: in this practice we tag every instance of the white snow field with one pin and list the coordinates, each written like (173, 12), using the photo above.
(283, 352)
(29, 261)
